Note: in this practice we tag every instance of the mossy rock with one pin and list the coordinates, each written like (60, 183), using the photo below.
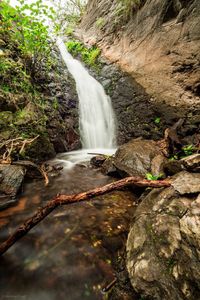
(6, 118)
(41, 149)
(6, 134)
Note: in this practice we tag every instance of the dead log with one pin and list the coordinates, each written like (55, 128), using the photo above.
(67, 199)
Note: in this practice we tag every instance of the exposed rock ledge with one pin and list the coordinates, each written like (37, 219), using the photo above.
(158, 44)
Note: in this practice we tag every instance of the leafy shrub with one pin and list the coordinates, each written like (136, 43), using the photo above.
(88, 55)
(30, 34)
(75, 47)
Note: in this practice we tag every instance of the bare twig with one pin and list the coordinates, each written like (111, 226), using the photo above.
(14, 144)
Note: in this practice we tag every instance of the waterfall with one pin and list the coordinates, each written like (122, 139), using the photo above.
(96, 116)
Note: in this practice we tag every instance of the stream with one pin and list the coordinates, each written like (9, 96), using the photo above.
(68, 255)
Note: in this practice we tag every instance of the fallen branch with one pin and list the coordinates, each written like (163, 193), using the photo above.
(67, 199)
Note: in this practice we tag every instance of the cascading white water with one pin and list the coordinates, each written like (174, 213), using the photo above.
(96, 116)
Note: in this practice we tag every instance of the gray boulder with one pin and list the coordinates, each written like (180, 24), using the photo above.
(163, 246)
(11, 178)
(139, 157)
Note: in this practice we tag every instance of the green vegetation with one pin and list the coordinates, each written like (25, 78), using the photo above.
(55, 104)
(69, 31)
(189, 149)
(174, 157)
(184, 152)
(88, 55)
(25, 58)
(150, 176)
(29, 34)
(157, 120)
(14, 76)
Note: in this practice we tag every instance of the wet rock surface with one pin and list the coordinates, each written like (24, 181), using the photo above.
(133, 109)
(11, 178)
(135, 114)
(97, 161)
(164, 244)
(61, 109)
(137, 158)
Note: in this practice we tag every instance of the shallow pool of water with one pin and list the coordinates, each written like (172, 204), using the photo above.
(68, 255)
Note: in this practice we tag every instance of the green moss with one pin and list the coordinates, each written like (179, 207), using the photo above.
(6, 118)
(14, 77)
(55, 104)
(23, 116)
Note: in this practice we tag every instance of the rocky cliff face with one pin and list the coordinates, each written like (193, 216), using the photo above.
(157, 42)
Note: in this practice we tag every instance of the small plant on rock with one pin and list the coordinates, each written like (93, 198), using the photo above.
(157, 120)
(150, 176)
(189, 149)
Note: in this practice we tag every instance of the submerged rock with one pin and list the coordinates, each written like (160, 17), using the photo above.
(97, 161)
(163, 247)
(138, 157)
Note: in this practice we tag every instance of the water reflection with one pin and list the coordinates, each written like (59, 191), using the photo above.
(68, 255)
